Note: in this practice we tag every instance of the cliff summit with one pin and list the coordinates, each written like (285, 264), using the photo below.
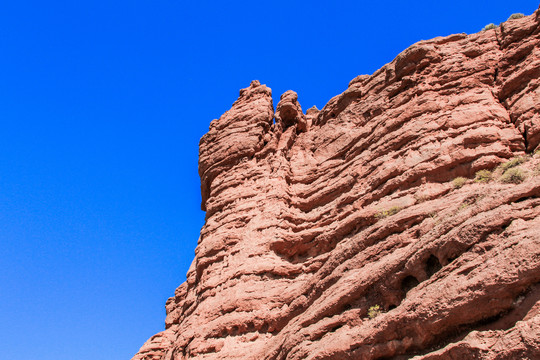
(400, 221)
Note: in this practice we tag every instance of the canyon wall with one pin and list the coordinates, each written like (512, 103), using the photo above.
(400, 221)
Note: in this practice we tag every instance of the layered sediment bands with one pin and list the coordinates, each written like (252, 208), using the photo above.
(236, 136)
(340, 233)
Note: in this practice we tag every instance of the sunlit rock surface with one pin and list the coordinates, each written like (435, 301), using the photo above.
(343, 234)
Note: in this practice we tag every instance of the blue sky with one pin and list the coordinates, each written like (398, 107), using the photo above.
(102, 105)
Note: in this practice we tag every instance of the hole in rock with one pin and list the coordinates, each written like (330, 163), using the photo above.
(505, 226)
(367, 114)
(432, 265)
(525, 198)
(408, 283)
(301, 256)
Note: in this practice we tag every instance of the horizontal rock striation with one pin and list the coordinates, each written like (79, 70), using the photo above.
(402, 220)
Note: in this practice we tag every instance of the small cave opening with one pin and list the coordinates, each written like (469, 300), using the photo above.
(432, 265)
(409, 283)
(524, 198)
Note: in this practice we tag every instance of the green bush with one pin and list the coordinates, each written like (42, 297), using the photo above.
(513, 163)
(516, 16)
(374, 311)
(489, 27)
(459, 182)
(463, 206)
(483, 176)
(513, 176)
(388, 212)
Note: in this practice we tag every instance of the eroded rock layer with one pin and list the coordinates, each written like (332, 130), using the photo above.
(402, 220)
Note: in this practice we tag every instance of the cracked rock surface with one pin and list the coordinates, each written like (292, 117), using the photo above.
(364, 230)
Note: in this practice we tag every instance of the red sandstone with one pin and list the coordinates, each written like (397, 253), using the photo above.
(316, 219)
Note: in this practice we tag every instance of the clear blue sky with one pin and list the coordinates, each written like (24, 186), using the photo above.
(102, 104)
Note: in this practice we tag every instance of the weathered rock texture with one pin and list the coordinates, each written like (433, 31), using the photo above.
(313, 220)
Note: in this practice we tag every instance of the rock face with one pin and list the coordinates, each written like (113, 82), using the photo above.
(367, 230)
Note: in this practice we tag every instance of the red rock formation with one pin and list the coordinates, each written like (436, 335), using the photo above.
(344, 233)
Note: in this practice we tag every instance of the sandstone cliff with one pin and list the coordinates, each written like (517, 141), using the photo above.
(368, 230)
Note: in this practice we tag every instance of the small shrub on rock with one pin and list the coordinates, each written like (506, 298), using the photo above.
(459, 182)
(513, 163)
(421, 198)
(489, 27)
(516, 16)
(463, 206)
(483, 176)
(513, 176)
(374, 311)
(388, 212)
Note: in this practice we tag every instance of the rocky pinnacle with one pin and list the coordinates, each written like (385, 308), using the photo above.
(400, 221)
